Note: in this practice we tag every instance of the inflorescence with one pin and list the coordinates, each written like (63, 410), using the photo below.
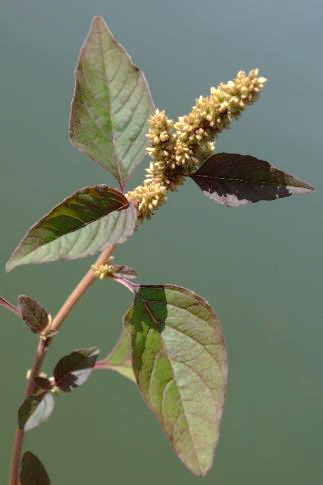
(178, 149)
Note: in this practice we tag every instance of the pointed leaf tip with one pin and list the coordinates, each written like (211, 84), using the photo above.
(180, 363)
(111, 104)
(98, 18)
(235, 180)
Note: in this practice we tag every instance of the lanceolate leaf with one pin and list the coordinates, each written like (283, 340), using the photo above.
(35, 410)
(180, 363)
(84, 223)
(33, 471)
(119, 359)
(74, 369)
(111, 104)
(234, 180)
(35, 316)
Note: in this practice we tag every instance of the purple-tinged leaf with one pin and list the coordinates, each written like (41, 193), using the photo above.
(33, 471)
(42, 383)
(35, 410)
(111, 104)
(82, 224)
(124, 271)
(235, 180)
(119, 359)
(180, 362)
(74, 369)
(9, 306)
(32, 312)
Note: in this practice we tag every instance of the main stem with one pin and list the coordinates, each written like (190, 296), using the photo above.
(42, 346)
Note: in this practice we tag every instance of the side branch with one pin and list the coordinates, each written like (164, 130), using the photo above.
(42, 346)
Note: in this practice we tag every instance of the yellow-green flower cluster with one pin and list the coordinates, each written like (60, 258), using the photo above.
(212, 114)
(178, 149)
(160, 177)
(148, 197)
(102, 271)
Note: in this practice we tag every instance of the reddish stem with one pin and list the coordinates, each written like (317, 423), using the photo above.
(9, 306)
(128, 284)
(42, 346)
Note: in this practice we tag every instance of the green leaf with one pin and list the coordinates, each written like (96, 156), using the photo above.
(33, 471)
(119, 359)
(235, 180)
(74, 369)
(35, 410)
(82, 224)
(180, 363)
(111, 104)
(34, 315)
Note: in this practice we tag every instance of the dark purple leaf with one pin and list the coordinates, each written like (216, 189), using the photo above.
(74, 369)
(125, 271)
(35, 410)
(32, 312)
(43, 383)
(33, 471)
(234, 180)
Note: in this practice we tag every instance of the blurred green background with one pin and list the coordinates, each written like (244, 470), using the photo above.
(260, 266)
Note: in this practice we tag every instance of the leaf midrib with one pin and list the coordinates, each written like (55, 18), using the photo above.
(74, 230)
(246, 182)
(100, 32)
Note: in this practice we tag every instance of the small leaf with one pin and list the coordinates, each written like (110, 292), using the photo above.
(9, 306)
(124, 271)
(180, 363)
(84, 223)
(235, 180)
(34, 315)
(43, 383)
(111, 105)
(33, 471)
(35, 410)
(119, 359)
(74, 369)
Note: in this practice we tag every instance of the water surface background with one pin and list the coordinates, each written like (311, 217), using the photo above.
(259, 266)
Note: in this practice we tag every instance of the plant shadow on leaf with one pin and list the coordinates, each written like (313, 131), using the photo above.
(180, 363)
(156, 314)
